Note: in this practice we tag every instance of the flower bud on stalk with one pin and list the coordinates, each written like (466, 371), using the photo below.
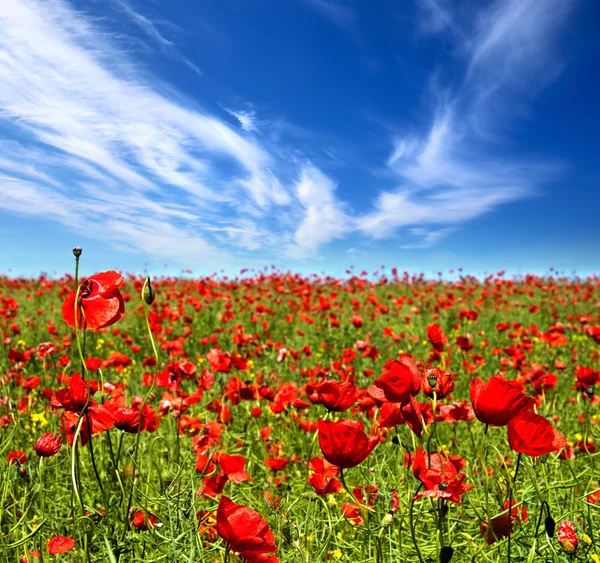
(567, 538)
(446, 554)
(148, 294)
(77, 250)
(550, 526)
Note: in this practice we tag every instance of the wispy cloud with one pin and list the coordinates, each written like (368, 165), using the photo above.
(246, 119)
(454, 173)
(336, 11)
(323, 217)
(434, 16)
(102, 146)
(150, 29)
(107, 149)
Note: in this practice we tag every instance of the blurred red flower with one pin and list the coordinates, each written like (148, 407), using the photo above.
(48, 444)
(498, 527)
(60, 544)
(100, 299)
(17, 457)
(245, 531)
(437, 337)
(127, 419)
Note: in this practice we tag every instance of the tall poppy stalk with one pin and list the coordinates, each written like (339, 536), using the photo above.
(75, 470)
(148, 297)
(510, 501)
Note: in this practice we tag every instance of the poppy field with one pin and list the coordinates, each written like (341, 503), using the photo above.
(273, 417)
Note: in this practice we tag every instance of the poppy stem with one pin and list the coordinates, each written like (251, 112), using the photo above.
(413, 534)
(140, 424)
(510, 501)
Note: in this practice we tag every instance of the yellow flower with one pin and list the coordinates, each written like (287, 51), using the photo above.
(337, 554)
(39, 418)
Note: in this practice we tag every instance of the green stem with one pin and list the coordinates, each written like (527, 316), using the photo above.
(137, 438)
(510, 499)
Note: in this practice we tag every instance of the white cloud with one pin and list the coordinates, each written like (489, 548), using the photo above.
(434, 16)
(106, 147)
(454, 173)
(150, 29)
(513, 38)
(323, 217)
(335, 11)
(247, 119)
(96, 133)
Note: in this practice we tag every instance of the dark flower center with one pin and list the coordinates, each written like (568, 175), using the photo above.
(87, 288)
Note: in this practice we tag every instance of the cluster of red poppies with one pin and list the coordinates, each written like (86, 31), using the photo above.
(283, 350)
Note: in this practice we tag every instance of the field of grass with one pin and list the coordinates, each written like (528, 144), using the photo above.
(228, 375)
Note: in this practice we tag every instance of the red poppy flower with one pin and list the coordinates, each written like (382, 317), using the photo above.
(144, 521)
(344, 443)
(17, 457)
(439, 381)
(498, 401)
(498, 528)
(277, 463)
(532, 434)
(100, 299)
(245, 531)
(48, 444)
(60, 544)
(567, 538)
(324, 486)
(437, 338)
(337, 397)
(127, 419)
(398, 383)
(439, 475)
(233, 466)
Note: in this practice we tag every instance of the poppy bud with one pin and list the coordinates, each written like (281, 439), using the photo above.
(48, 444)
(432, 379)
(446, 554)
(148, 294)
(567, 538)
(550, 526)
(77, 251)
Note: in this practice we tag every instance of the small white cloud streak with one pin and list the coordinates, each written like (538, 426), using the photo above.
(336, 12)
(513, 38)
(246, 119)
(434, 17)
(150, 29)
(324, 217)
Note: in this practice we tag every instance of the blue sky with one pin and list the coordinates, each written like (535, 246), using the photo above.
(309, 134)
